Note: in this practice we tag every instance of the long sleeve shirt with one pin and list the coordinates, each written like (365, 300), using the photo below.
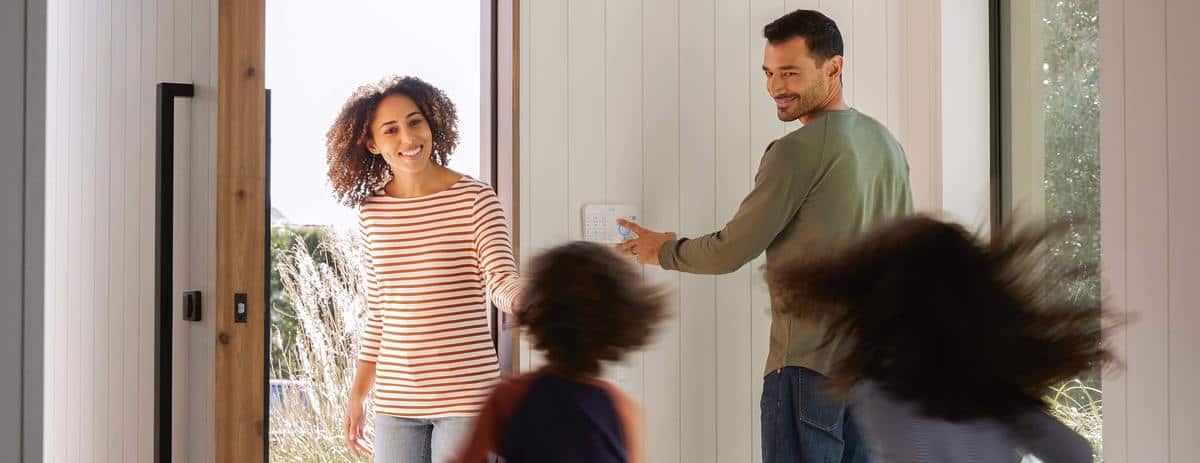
(819, 185)
(431, 262)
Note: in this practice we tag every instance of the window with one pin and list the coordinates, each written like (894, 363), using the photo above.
(1048, 150)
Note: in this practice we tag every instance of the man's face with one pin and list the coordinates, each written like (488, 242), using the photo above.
(796, 81)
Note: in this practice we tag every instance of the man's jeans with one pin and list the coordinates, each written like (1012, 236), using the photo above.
(801, 424)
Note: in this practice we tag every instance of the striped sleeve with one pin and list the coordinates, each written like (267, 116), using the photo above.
(493, 246)
(373, 332)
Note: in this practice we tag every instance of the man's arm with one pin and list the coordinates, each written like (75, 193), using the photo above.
(781, 184)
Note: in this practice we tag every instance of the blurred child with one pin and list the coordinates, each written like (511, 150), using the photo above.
(583, 305)
(955, 341)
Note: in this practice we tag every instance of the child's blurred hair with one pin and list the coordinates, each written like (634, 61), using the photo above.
(583, 305)
(964, 328)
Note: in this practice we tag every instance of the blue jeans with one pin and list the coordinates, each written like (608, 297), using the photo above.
(419, 440)
(801, 424)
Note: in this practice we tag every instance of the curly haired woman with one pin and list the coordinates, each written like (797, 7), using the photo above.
(955, 341)
(436, 244)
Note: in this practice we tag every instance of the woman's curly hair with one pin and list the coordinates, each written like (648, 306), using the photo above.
(583, 304)
(964, 329)
(355, 173)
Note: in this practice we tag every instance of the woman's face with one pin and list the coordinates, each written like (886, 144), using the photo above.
(401, 134)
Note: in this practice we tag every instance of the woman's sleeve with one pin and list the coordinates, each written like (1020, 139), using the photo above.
(373, 332)
(494, 250)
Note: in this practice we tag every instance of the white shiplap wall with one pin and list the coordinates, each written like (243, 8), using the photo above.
(661, 104)
(104, 59)
(1149, 162)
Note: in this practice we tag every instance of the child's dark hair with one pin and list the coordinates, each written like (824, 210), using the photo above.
(355, 173)
(583, 304)
(964, 329)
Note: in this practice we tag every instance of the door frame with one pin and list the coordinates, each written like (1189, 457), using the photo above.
(241, 385)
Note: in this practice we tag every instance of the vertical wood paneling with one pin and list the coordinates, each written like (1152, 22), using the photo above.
(199, 338)
(118, 396)
(765, 127)
(89, 245)
(73, 376)
(685, 121)
(623, 49)
(154, 65)
(133, 188)
(585, 95)
(103, 276)
(1183, 224)
(241, 226)
(736, 407)
(1145, 126)
(920, 77)
(103, 59)
(893, 76)
(525, 159)
(843, 11)
(697, 215)
(550, 219)
(55, 384)
(1113, 217)
(71, 260)
(660, 189)
(870, 61)
(185, 227)
(1148, 217)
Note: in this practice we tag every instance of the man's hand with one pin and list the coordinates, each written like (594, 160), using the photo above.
(645, 247)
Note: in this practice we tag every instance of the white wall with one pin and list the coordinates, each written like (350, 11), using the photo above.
(661, 104)
(965, 112)
(1149, 161)
(104, 60)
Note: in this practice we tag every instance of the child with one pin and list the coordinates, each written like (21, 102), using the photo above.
(582, 305)
(955, 341)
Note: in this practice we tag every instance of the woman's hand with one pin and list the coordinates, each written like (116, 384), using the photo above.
(352, 427)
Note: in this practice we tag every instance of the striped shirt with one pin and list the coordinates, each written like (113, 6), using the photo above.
(431, 261)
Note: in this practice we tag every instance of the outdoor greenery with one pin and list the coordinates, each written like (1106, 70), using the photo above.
(1072, 177)
(284, 238)
(313, 343)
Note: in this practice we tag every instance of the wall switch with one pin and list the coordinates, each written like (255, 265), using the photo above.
(191, 306)
(239, 308)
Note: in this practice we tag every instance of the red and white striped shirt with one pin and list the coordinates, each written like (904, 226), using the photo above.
(430, 263)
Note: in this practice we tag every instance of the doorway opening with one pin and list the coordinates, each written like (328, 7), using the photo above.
(315, 287)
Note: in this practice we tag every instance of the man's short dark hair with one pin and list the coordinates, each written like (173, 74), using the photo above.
(820, 33)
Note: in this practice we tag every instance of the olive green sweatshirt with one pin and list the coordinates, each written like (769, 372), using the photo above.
(818, 186)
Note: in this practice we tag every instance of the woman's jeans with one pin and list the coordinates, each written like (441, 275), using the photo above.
(801, 424)
(419, 440)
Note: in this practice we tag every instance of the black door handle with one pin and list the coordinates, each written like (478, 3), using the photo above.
(164, 186)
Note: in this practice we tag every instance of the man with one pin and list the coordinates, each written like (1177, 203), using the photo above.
(824, 183)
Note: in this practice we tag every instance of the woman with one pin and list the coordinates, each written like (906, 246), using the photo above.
(436, 244)
(955, 341)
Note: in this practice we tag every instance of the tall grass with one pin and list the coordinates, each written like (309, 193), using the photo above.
(328, 309)
(1080, 406)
